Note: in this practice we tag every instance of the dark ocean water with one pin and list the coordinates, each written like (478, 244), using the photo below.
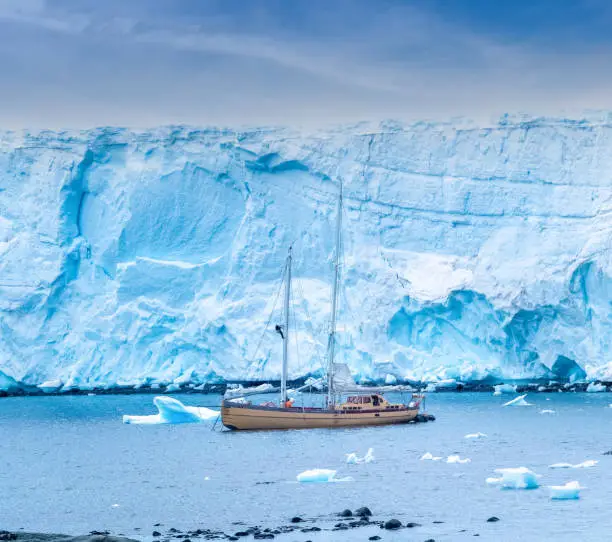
(68, 464)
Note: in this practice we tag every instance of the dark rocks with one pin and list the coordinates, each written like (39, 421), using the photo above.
(437, 522)
(492, 519)
(5, 535)
(375, 537)
(296, 519)
(311, 529)
(173, 530)
(411, 525)
(430, 540)
(392, 524)
(609, 452)
(363, 512)
(263, 536)
(155, 533)
(341, 527)
(346, 513)
(241, 533)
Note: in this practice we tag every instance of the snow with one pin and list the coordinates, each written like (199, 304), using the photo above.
(518, 401)
(354, 459)
(515, 478)
(317, 475)
(569, 491)
(172, 411)
(475, 435)
(457, 459)
(595, 387)
(148, 256)
(429, 457)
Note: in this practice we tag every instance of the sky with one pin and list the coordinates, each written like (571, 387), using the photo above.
(141, 63)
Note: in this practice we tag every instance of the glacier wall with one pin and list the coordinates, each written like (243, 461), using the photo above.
(144, 257)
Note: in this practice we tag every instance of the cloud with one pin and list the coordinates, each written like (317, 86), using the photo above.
(273, 61)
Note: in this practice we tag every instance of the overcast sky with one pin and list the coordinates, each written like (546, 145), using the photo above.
(82, 63)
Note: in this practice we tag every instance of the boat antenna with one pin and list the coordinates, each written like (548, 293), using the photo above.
(331, 400)
(285, 337)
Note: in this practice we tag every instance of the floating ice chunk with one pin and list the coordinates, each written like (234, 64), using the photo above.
(50, 386)
(317, 475)
(475, 435)
(172, 388)
(504, 388)
(114, 505)
(518, 478)
(518, 401)
(547, 411)
(569, 491)
(584, 465)
(457, 459)
(429, 457)
(172, 411)
(594, 387)
(493, 481)
(354, 459)
(430, 388)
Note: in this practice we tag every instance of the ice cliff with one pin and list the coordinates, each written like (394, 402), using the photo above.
(144, 257)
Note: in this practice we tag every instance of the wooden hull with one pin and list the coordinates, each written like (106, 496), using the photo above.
(250, 417)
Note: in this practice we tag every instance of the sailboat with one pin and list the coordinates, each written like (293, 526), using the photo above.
(347, 404)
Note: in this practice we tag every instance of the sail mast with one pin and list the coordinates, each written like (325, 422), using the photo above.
(283, 392)
(332, 332)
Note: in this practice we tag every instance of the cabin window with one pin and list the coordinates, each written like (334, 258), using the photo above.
(375, 400)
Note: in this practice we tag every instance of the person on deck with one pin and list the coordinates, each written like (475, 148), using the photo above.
(288, 403)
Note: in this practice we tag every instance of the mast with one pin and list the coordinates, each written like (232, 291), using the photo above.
(331, 400)
(283, 392)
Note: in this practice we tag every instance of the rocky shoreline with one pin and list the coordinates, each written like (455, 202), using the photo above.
(344, 520)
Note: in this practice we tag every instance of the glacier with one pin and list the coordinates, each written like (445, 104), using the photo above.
(472, 252)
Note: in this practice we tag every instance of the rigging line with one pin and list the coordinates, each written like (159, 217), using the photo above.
(295, 329)
(280, 287)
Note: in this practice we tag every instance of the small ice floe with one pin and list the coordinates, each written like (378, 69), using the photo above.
(518, 401)
(504, 388)
(547, 411)
(595, 387)
(321, 476)
(429, 457)
(475, 435)
(171, 410)
(515, 478)
(584, 465)
(114, 505)
(569, 491)
(354, 459)
(457, 459)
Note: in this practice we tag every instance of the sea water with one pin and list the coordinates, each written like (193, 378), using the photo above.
(69, 464)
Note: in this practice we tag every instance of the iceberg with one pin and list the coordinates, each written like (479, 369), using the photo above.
(475, 435)
(457, 459)
(515, 478)
(172, 411)
(354, 459)
(569, 491)
(596, 387)
(584, 465)
(152, 257)
(504, 388)
(317, 476)
(429, 457)
(518, 401)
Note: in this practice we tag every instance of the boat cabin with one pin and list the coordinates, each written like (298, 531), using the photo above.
(366, 402)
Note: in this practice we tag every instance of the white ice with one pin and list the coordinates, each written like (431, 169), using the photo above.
(457, 459)
(547, 411)
(569, 491)
(584, 465)
(518, 401)
(504, 388)
(429, 457)
(516, 478)
(475, 435)
(354, 459)
(317, 475)
(594, 387)
(171, 410)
